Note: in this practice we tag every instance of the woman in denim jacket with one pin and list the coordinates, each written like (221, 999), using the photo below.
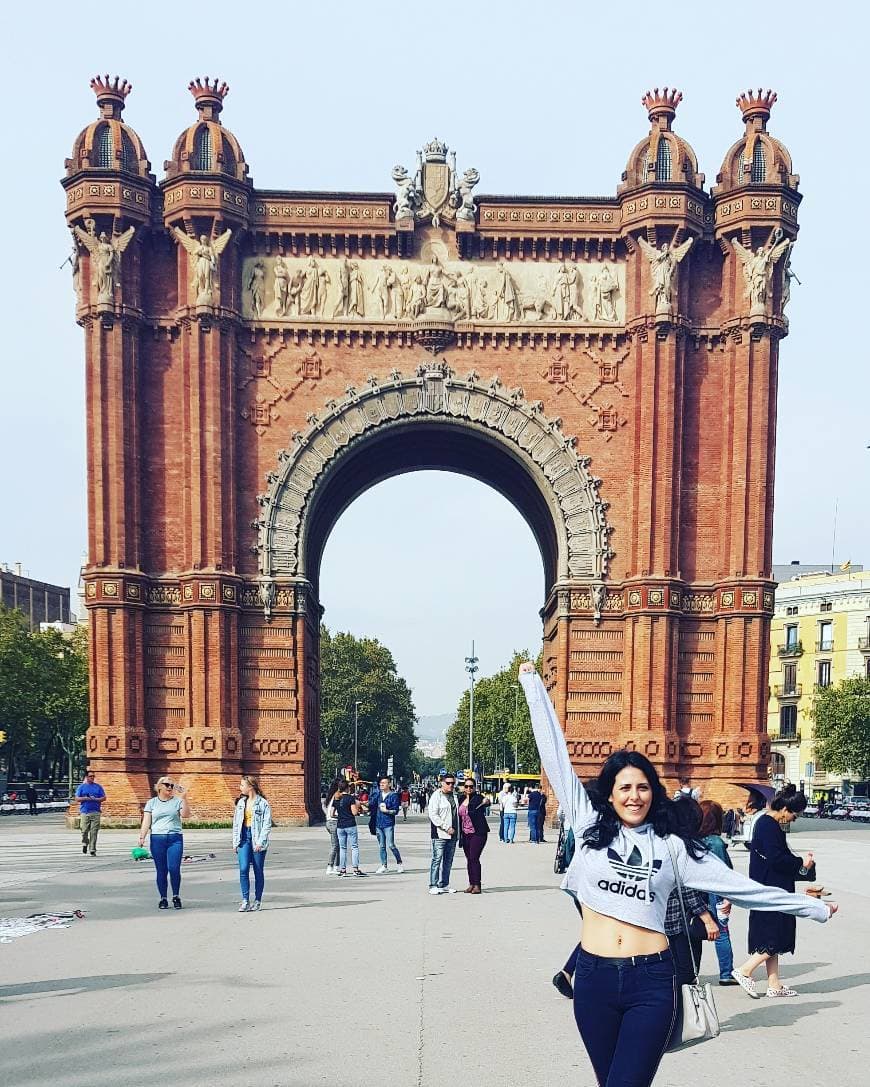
(252, 824)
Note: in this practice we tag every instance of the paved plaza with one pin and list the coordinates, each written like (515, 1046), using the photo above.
(359, 980)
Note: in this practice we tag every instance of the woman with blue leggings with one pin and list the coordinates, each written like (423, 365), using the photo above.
(162, 818)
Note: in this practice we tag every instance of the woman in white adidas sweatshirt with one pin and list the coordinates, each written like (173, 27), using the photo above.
(623, 871)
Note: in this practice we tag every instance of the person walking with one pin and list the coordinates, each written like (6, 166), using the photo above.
(346, 811)
(710, 831)
(31, 796)
(508, 801)
(630, 842)
(384, 804)
(162, 819)
(252, 824)
(444, 830)
(534, 813)
(90, 796)
(405, 802)
(332, 866)
(473, 832)
(772, 863)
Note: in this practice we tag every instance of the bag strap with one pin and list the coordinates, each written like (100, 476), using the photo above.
(695, 965)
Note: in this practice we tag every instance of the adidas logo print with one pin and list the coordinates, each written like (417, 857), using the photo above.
(631, 869)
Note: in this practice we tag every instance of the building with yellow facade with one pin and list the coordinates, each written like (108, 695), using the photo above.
(820, 634)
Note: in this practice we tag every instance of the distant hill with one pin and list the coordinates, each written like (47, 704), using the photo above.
(434, 727)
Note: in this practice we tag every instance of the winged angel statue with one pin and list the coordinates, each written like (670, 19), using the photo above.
(663, 265)
(105, 258)
(205, 254)
(758, 269)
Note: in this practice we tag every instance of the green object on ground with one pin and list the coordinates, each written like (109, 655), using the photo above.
(140, 854)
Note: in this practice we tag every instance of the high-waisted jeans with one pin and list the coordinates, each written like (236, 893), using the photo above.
(625, 1013)
(248, 858)
(167, 851)
(348, 837)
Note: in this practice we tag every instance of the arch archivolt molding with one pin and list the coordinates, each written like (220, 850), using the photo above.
(432, 393)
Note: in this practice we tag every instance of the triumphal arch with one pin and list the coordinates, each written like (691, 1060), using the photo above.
(256, 359)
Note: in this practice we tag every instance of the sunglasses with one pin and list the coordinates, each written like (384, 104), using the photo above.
(168, 784)
(468, 785)
(450, 783)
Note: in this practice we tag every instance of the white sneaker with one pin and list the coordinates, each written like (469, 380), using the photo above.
(329, 869)
(243, 906)
(400, 868)
(746, 984)
(435, 891)
(448, 890)
(379, 871)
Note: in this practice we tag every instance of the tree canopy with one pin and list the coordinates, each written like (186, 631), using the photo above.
(362, 670)
(501, 723)
(43, 697)
(842, 727)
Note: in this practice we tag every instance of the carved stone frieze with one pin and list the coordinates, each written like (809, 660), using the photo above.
(338, 290)
(432, 392)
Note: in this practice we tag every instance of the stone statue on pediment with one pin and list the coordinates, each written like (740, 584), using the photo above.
(408, 196)
(436, 286)
(256, 287)
(663, 265)
(356, 304)
(758, 269)
(418, 296)
(341, 306)
(106, 255)
(505, 305)
(566, 294)
(282, 287)
(206, 255)
(604, 288)
(466, 210)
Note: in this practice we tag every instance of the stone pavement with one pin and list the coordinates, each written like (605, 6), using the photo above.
(356, 980)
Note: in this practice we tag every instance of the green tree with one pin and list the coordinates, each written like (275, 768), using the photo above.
(64, 703)
(362, 670)
(501, 723)
(842, 727)
(19, 688)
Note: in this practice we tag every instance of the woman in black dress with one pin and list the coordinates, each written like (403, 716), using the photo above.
(772, 863)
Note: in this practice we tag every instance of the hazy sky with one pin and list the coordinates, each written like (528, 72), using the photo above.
(541, 98)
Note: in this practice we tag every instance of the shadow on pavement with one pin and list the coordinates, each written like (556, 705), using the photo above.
(325, 905)
(74, 986)
(834, 985)
(776, 1013)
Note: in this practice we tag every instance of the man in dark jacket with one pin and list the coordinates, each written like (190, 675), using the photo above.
(383, 805)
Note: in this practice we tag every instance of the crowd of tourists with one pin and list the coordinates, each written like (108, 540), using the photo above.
(649, 875)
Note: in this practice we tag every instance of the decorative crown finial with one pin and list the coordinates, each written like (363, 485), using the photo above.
(209, 95)
(436, 151)
(756, 104)
(662, 103)
(111, 94)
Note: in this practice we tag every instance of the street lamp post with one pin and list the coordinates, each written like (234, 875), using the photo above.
(356, 707)
(516, 713)
(471, 667)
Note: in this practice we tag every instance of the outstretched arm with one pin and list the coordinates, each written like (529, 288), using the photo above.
(572, 797)
(710, 874)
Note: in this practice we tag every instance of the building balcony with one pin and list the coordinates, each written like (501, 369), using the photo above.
(788, 690)
(791, 649)
(787, 737)
(824, 647)
(864, 645)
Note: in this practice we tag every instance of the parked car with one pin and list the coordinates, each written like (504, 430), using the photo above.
(811, 811)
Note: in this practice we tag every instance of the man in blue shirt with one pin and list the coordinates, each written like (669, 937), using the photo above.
(383, 804)
(534, 815)
(90, 797)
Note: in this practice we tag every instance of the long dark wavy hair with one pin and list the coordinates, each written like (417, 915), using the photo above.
(682, 818)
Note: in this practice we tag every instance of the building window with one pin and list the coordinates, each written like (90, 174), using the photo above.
(759, 165)
(104, 148)
(792, 610)
(202, 150)
(791, 635)
(823, 674)
(826, 605)
(826, 637)
(788, 722)
(789, 679)
(129, 159)
(663, 161)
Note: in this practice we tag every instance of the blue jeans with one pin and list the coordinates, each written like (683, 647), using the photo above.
(724, 950)
(348, 836)
(534, 825)
(442, 861)
(167, 851)
(625, 1015)
(248, 857)
(510, 825)
(386, 840)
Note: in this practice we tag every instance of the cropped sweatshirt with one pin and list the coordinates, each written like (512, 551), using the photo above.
(633, 877)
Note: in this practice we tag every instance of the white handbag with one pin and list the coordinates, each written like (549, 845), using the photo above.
(697, 1020)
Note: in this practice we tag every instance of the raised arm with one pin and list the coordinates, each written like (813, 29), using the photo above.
(710, 874)
(572, 797)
